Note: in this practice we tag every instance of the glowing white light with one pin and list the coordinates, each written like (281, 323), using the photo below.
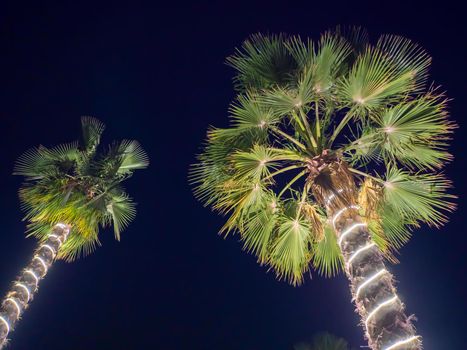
(26, 289)
(6, 324)
(368, 281)
(340, 212)
(46, 246)
(33, 275)
(403, 342)
(349, 230)
(13, 301)
(361, 250)
(332, 196)
(42, 263)
(55, 237)
(378, 308)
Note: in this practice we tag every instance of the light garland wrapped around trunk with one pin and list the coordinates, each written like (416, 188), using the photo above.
(26, 285)
(386, 325)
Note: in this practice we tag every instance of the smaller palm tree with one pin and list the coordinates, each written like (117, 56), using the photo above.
(70, 192)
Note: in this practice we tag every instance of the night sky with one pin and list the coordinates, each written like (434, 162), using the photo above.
(157, 74)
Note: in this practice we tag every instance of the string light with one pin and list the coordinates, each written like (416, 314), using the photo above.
(369, 280)
(340, 212)
(23, 290)
(378, 308)
(18, 309)
(33, 275)
(332, 196)
(46, 246)
(402, 342)
(361, 250)
(55, 237)
(26, 289)
(42, 263)
(61, 225)
(349, 230)
(6, 324)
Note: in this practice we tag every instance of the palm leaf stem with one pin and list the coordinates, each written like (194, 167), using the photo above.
(302, 200)
(339, 127)
(317, 122)
(366, 175)
(290, 138)
(291, 182)
(308, 129)
(282, 171)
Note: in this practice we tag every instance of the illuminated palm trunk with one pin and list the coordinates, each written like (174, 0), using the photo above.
(26, 285)
(386, 325)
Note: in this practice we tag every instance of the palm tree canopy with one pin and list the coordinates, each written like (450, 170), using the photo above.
(79, 184)
(303, 104)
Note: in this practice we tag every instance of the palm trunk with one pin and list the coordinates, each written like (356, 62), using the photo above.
(385, 323)
(25, 286)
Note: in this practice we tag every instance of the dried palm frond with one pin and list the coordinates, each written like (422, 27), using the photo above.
(315, 218)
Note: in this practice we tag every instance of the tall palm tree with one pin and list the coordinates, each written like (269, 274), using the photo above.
(70, 192)
(332, 158)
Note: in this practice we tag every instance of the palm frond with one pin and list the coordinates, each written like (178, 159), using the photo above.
(421, 197)
(123, 211)
(261, 62)
(329, 62)
(416, 132)
(326, 255)
(290, 251)
(92, 130)
(373, 82)
(132, 156)
(40, 162)
(258, 229)
(407, 57)
(249, 114)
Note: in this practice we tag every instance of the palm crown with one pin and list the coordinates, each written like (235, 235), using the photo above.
(303, 106)
(80, 185)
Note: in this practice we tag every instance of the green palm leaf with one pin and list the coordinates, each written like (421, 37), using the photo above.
(132, 156)
(327, 257)
(373, 82)
(420, 197)
(416, 132)
(262, 62)
(290, 252)
(407, 57)
(92, 130)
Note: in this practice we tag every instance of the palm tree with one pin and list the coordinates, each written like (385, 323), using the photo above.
(332, 158)
(70, 192)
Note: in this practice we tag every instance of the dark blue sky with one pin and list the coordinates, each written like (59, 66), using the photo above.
(156, 73)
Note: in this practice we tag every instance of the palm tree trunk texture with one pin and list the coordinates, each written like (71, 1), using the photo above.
(386, 325)
(26, 285)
